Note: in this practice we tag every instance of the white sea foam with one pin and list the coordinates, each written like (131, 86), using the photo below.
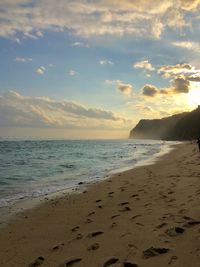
(30, 169)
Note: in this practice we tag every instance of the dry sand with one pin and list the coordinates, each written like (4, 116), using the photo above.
(148, 216)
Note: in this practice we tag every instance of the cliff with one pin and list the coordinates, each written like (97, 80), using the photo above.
(183, 126)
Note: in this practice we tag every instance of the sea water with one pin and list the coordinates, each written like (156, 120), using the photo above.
(33, 168)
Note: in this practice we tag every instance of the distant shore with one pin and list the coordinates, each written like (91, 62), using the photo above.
(147, 216)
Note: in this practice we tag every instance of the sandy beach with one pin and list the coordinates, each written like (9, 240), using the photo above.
(146, 217)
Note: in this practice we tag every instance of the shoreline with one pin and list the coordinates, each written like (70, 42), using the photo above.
(9, 212)
(145, 211)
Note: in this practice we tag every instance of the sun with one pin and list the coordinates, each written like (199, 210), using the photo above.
(194, 97)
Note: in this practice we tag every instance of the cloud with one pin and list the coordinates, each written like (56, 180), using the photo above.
(87, 18)
(113, 82)
(182, 75)
(149, 90)
(72, 72)
(194, 78)
(178, 85)
(190, 4)
(105, 62)
(187, 45)
(125, 88)
(80, 44)
(144, 64)
(181, 85)
(23, 111)
(41, 70)
(22, 59)
(174, 70)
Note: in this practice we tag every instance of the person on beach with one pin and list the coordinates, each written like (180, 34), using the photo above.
(198, 142)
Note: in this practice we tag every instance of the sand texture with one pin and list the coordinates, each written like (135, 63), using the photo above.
(145, 217)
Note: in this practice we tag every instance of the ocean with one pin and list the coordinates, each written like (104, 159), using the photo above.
(34, 168)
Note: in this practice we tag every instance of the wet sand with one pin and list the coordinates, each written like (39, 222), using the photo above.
(148, 216)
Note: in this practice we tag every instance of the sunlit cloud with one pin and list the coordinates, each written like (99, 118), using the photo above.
(194, 78)
(22, 59)
(72, 72)
(113, 82)
(95, 18)
(173, 70)
(124, 88)
(105, 62)
(41, 70)
(182, 75)
(144, 64)
(18, 110)
(187, 45)
(80, 44)
(179, 85)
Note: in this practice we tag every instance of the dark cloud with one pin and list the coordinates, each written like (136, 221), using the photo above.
(125, 88)
(194, 78)
(181, 85)
(149, 90)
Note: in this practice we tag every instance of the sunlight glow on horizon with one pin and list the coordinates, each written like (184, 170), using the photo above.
(194, 97)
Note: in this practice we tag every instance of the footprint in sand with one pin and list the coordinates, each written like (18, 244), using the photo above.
(172, 260)
(130, 245)
(123, 203)
(140, 224)
(129, 264)
(187, 218)
(113, 225)
(161, 225)
(125, 209)
(174, 231)
(91, 213)
(110, 262)
(182, 211)
(94, 234)
(57, 247)
(88, 221)
(37, 262)
(136, 216)
(191, 223)
(152, 252)
(134, 195)
(93, 247)
(75, 228)
(70, 263)
(114, 216)
(79, 236)
(141, 190)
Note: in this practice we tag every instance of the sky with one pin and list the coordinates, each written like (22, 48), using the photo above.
(92, 69)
